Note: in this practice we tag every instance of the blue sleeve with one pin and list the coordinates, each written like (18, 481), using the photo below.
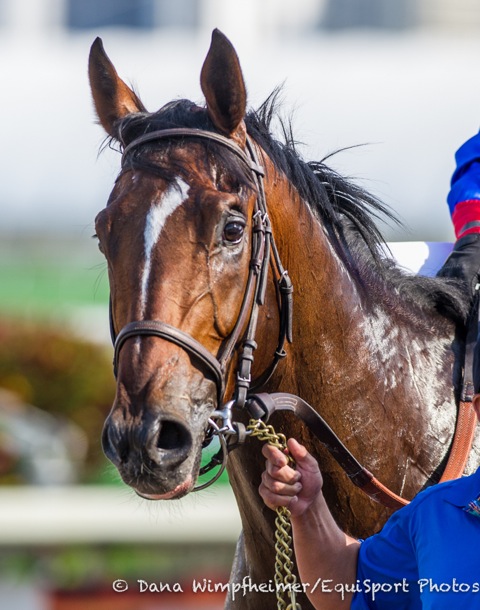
(387, 572)
(465, 183)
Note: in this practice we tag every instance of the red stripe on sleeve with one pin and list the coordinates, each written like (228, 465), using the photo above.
(465, 212)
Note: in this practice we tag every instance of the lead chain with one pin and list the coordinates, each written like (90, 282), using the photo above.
(285, 579)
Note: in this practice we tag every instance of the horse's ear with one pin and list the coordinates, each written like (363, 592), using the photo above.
(113, 99)
(223, 85)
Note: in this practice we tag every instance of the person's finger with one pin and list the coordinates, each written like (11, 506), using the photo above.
(274, 455)
(278, 465)
(279, 487)
(301, 456)
(273, 500)
(286, 473)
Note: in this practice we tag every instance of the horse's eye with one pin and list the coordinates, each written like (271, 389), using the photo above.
(233, 231)
(100, 247)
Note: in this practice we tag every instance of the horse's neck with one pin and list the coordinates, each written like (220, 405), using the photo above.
(378, 377)
(340, 329)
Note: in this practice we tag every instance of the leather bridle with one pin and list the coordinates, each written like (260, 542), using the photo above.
(264, 254)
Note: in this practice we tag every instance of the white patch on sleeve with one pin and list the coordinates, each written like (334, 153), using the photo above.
(172, 198)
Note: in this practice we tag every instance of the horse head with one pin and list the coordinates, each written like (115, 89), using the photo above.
(177, 236)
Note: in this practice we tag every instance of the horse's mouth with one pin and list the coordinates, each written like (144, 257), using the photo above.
(178, 492)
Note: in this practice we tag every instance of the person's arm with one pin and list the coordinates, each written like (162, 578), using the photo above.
(324, 553)
(464, 196)
(464, 205)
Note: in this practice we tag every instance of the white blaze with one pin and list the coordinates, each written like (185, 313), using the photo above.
(171, 199)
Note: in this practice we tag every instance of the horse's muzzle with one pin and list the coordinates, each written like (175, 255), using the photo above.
(149, 456)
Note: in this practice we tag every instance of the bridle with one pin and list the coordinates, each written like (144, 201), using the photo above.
(264, 254)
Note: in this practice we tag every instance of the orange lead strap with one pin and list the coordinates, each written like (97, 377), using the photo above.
(462, 442)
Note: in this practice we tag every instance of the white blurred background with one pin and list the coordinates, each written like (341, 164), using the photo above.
(401, 76)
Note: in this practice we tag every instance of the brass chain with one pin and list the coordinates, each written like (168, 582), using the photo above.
(285, 579)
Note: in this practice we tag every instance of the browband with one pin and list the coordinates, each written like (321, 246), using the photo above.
(181, 132)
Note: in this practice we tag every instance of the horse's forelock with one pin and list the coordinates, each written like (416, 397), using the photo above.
(178, 113)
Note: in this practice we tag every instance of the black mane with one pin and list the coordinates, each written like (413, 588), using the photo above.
(344, 209)
(347, 211)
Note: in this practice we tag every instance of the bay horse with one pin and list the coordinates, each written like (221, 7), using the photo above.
(374, 350)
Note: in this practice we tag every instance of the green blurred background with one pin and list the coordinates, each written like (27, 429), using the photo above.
(56, 387)
(54, 351)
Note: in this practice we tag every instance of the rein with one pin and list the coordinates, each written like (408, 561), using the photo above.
(260, 406)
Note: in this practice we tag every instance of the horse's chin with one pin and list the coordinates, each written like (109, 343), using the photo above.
(178, 492)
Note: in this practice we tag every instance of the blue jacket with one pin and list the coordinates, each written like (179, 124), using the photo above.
(427, 556)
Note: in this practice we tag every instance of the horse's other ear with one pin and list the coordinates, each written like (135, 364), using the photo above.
(113, 99)
(223, 85)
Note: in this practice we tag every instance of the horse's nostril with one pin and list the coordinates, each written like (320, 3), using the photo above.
(172, 436)
(114, 445)
(167, 443)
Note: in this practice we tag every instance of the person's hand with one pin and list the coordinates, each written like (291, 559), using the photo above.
(282, 485)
